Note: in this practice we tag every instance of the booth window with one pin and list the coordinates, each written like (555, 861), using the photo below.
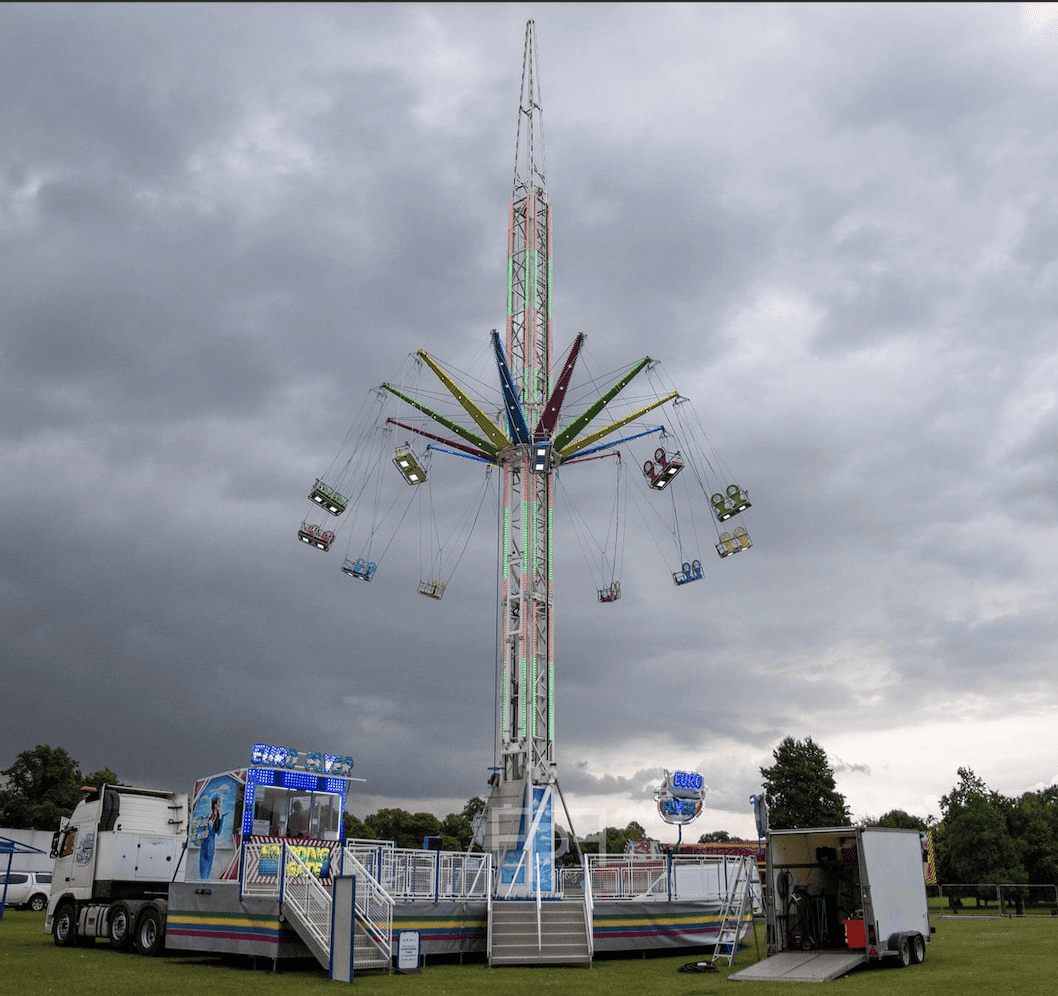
(286, 812)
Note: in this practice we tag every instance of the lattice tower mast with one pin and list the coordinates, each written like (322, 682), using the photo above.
(527, 665)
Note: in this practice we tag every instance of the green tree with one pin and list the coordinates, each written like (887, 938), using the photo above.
(459, 827)
(800, 788)
(403, 828)
(616, 839)
(97, 779)
(715, 837)
(43, 785)
(1033, 823)
(356, 828)
(895, 819)
(975, 846)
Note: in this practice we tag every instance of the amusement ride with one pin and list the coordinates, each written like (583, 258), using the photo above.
(537, 420)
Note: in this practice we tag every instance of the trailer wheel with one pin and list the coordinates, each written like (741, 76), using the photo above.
(149, 934)
(904, 951)
(918, 950)
(64, 929)
(120, 927)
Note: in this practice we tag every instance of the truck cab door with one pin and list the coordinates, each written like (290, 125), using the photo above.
(75, 864)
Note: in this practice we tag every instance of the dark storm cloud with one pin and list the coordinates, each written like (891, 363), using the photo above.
(221, 226)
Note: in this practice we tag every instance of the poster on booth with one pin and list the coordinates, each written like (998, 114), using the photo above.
(215, 817)
(321, 858)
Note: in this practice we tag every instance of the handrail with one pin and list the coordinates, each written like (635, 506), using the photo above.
(589, 908)
(539, 925)
(488, 931)
(302, 891)
(374, 905)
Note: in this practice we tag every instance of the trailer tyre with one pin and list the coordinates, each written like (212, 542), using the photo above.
(149, 933)
(918, 950)
(903, 949)
(120, 927)
(64, 929)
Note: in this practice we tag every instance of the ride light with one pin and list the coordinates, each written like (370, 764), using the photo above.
(408, 466)
(541, 457)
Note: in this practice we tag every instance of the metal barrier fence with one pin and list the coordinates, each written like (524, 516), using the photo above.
(409, 874)
(649, 878)
(995, 899)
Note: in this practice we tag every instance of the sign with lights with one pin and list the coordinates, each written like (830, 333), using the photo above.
(680, 797)
(272, 756)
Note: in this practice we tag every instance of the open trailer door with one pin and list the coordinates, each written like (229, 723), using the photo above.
(801, 966)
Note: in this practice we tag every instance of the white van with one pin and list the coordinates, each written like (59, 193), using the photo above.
(30, 889)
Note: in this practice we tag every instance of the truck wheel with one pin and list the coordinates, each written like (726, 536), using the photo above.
(904, 951)
(149, 934)
(918, 950)
(120, 927)
(38, 903)
(64, 929)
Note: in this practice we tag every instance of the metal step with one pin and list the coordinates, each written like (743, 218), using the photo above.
(560, 940)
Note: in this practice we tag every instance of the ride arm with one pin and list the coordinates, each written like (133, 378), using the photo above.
(490, 428)
(563, 438)
(588, 440)
(515, 416)
(553, 408)
(479, 454)
(441, 420)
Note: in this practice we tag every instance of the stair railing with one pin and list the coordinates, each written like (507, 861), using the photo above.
(374, 905)
(589, 908)
(304, 895)
(539, 909)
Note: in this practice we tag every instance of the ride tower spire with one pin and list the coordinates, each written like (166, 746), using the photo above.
(526, 724)
(527, 717)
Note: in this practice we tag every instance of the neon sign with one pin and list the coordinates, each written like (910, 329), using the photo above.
(686, 780)
(680, 797)
(287, 757)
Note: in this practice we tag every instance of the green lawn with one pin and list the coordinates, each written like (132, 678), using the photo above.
(1007, 956)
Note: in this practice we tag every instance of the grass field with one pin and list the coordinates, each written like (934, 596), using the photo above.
(1006, 956)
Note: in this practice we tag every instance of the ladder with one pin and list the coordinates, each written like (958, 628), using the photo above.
(739, 896)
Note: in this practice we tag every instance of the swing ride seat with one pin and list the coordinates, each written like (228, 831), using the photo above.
(314, 536)
(730, 504)
(610, 594)
(688, 572)
(409, 466)
(432, 589)
(668, 467)
(736, 543)
(359, 568)
(326, 497)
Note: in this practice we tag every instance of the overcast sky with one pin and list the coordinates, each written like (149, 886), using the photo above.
(221, 226)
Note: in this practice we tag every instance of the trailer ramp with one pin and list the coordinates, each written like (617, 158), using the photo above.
(801, 966)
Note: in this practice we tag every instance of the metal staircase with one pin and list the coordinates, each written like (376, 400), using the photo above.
(535, 932)
(307, 905)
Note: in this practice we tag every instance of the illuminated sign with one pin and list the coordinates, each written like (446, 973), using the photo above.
(680, 797)
(685, 780)
(286, 757)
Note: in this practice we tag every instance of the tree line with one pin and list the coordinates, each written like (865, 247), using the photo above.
(981, 836)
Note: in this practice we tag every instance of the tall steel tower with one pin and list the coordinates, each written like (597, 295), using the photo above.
(519, 829)
(527, 664)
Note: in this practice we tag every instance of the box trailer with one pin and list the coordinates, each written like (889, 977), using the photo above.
(839, 897)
